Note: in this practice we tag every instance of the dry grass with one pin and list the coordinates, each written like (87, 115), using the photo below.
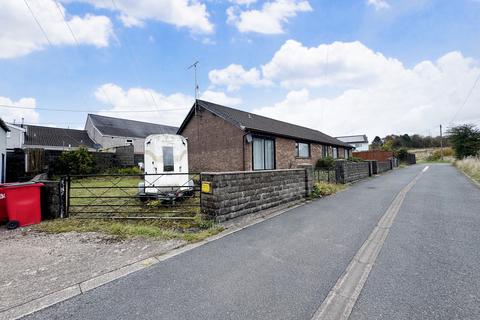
(471, 166)
(191, 230)
(433, 155)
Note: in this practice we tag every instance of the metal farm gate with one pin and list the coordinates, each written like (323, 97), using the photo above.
(121, 196)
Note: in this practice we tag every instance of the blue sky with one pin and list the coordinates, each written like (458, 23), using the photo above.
(343, 67)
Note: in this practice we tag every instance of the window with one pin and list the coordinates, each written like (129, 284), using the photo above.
(263, 154)
(335, 153)
(302, 150)
(167, 159)
(324, 151)
(129, 142)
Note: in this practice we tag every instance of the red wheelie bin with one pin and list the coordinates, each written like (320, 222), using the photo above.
(20, 204)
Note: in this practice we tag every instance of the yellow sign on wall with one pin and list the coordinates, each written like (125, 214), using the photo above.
(206, 187)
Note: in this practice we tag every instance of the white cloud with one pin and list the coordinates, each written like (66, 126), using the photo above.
(220, 98)
(190, 14)
(235, 76)
(338, 64)
(382, 95)
(15, 115)
(378, 4)
(144, 99)
(243, 2)
(269, 19)
(20, 35)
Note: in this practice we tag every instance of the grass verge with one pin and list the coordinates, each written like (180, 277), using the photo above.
(470, 166)
(321, 189)
(190, 231)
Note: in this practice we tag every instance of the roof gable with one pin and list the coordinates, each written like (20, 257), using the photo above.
(254, 122)
(128, 128)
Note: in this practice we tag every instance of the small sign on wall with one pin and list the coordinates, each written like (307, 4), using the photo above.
(206, 187)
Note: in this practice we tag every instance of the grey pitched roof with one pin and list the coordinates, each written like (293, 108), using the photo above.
(361, 138)
(254, 122)
(128, 128)
(56, 137)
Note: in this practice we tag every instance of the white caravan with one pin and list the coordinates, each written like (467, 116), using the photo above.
(166, 166)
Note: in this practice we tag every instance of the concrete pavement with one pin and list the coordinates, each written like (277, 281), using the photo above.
(284, 268)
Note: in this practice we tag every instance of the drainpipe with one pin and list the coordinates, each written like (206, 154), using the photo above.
(243, 147)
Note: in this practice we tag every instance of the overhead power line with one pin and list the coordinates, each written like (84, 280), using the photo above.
(91, 110)
(466, 98)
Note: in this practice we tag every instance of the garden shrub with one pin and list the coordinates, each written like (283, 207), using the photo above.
(326, 163)
(78, 161)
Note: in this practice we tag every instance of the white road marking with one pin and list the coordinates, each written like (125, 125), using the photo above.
(342, 297)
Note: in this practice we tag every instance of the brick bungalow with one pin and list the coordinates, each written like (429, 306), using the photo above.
(227, 139)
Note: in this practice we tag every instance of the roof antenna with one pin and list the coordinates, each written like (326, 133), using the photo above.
(194, 66)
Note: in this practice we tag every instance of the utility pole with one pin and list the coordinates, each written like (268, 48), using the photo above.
(441, 143)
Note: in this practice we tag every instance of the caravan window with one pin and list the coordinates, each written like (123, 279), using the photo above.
(167, 159)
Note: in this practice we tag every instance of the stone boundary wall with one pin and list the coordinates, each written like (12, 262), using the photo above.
(348, 171)
(383, 166)
(234, 194)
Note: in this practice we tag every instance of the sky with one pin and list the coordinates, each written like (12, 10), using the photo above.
(372, 67)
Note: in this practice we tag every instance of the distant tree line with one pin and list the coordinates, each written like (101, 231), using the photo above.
(415, 141)
(463, 139)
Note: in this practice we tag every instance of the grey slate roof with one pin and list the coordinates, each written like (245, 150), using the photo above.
(56, 137)
(110, 126)
(361, 138)
(253, 122)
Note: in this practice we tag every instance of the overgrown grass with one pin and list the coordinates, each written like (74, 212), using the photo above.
(321, 189)
(471, 166)
(190, 231)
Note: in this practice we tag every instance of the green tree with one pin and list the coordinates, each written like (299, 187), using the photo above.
(78, 161)
(376, 143)
(465, 140)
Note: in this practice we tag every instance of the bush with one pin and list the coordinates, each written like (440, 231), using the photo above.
(325, 163)
(321, 189)
(401, 154)
(78, 161)
(355, 159)
(129, 170)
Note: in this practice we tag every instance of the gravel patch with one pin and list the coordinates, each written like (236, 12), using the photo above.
(34, 264)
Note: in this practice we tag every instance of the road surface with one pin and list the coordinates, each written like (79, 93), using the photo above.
(285, 267)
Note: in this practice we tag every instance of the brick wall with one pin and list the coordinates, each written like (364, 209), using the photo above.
(214, 144)
(287, 158)
(348, 171)
(239, 193)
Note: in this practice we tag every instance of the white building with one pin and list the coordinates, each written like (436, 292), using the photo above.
(4, 130)
(111, 132)
(360, 142)
(16, 136)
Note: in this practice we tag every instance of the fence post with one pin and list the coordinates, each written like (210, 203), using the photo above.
(67, 211)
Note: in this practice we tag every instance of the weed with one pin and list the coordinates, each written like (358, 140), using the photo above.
(471, 166)
(321, 189)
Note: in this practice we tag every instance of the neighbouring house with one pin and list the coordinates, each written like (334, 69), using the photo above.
(359, 142)
(226, 139)
(112, 132)
(16, 136)
(51, 138)
(4, 131)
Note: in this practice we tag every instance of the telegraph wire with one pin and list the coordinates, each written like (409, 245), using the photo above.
(89, 110)
(466, 98)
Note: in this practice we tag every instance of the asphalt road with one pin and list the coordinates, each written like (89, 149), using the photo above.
(283, 268)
